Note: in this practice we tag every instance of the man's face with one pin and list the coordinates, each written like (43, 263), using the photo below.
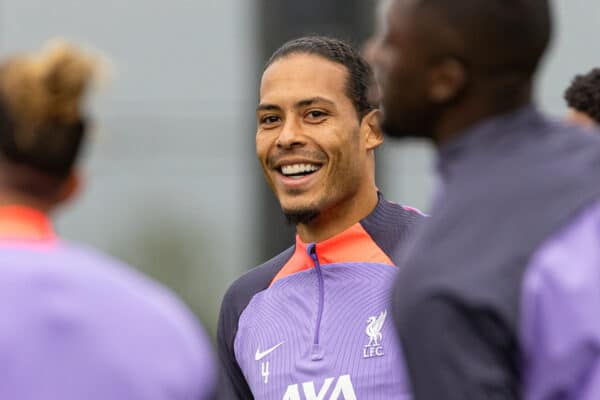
(308, 139)
(402, 70)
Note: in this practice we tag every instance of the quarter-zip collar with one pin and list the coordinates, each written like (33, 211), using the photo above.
(482, 137)
(350, 246)
(21, 223)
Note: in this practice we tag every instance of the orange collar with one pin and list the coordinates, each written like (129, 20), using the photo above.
(25, 223)
(354, 245)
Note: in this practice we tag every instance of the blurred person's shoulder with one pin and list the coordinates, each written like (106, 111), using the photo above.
(136, 286)
(108, 305)
(575, 145)
(574, 132)
(97, 278)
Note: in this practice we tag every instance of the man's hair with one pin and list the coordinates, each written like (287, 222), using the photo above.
(41, 121)
(360, 75)
(584, 94)
(498, 36)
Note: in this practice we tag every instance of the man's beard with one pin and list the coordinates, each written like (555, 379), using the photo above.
(295, 217)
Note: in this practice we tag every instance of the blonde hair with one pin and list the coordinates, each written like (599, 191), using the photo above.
(41, 102)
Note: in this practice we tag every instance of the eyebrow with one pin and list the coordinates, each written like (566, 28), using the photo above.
(267, 107)
(312, 100)
(299, 104)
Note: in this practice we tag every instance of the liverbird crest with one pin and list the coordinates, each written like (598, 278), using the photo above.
(374, 326)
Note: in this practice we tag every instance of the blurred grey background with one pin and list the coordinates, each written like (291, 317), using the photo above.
(173, 186)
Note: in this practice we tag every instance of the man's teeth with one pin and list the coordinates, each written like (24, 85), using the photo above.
(295, 169)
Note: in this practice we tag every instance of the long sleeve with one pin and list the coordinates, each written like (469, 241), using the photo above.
(456, 353)
(560, 329)
(232, 384)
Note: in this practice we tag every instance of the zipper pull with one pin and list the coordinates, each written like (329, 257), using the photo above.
(316, 352)
(311, 249)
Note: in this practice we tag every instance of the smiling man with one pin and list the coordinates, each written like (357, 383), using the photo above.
(311, 322)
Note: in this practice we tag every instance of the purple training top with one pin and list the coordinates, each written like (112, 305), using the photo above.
(499, 297)
(314, 322)
(77, 325)
(560, 328)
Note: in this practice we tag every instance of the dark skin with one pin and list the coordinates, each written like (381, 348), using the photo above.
(435, 86)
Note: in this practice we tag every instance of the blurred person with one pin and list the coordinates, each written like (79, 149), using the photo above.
(583, 98)
(75, 324)
(498, 296)
(312, 321)
(368, 53)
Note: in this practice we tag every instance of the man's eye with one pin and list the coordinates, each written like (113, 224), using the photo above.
(316, 114)
(269, 119)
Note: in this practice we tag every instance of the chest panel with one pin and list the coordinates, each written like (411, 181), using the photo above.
(287, 352)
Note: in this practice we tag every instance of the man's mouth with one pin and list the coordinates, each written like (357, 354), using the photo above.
(298, 170)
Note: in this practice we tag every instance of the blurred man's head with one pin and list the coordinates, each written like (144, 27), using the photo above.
(583, 98)
(443, 64)
(317, 129)
(368, 53)
(42, 127)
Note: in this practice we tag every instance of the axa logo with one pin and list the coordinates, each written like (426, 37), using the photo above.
(374, 326)
(339, 388)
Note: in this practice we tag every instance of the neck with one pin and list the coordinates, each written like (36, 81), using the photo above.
(496, 98)
(9, 198)
(23, 185)
(339, 218)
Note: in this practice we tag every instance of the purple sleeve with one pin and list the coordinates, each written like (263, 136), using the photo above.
(560, 314)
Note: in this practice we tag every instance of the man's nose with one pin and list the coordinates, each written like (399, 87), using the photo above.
(290, 135)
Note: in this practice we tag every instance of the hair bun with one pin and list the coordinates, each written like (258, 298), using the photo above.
(42, 96)
(64, 73)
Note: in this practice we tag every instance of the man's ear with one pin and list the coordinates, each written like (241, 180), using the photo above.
(370, 129)
(447, 80)
(70, 187)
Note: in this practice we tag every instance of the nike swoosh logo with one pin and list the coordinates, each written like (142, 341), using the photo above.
(262, 354)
